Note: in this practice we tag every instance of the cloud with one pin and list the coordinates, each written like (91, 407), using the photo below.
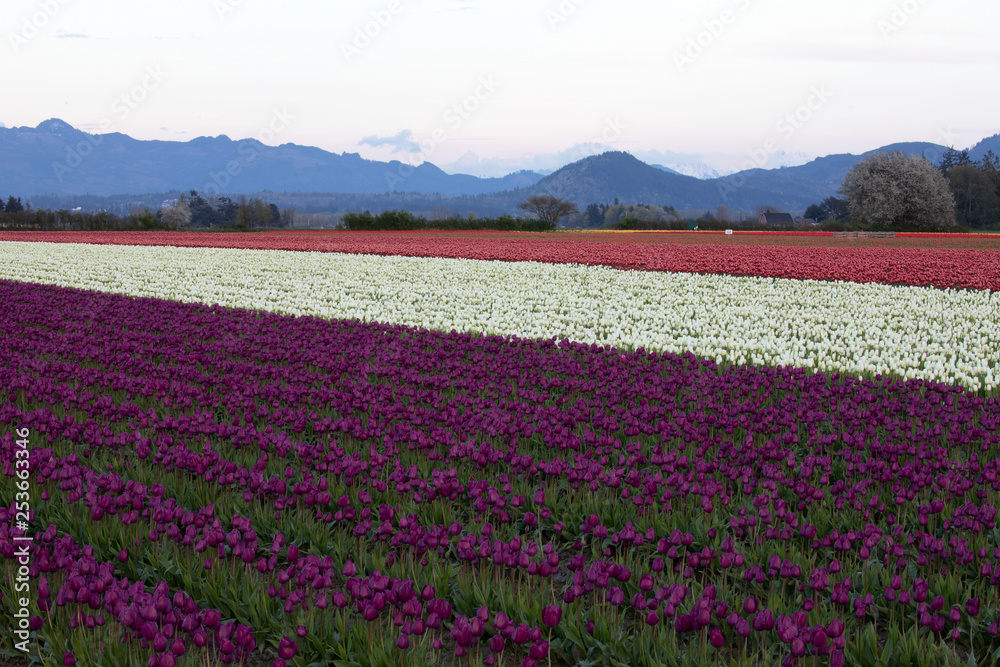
(453, 5)
(543, 163)
(401, 142)
(61, 34)
(790, 49)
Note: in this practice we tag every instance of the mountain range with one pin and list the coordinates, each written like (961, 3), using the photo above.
(57, 159)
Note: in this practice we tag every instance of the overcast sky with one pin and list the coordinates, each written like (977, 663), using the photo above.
(512, 82)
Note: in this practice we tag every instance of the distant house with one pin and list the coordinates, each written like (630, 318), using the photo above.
(811, 222)
(776, 219)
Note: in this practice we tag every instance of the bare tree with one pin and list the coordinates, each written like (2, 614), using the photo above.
(261, 212)
(892, 189)
(548, 209)
(288, 217)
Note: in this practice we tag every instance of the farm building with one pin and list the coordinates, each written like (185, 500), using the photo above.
(776, 219)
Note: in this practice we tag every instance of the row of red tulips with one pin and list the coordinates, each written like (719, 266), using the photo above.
(947, 262)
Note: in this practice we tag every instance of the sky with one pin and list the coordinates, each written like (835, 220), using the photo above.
(491, 86)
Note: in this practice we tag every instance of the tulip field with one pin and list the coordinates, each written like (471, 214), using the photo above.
(940, 260)
(487, 449)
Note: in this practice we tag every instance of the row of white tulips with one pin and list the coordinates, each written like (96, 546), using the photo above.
(914, 332)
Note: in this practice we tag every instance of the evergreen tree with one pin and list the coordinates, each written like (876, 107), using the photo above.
(13, 205)
(203, 214)
(816, 212)
(593, 216)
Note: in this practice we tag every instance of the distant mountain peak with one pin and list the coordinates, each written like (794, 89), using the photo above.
(56, 126)
(697, 170)
(612, 157)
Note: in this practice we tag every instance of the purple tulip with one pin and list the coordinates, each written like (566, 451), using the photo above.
(497, 643)
(972, 607)
(551, 616)
(763, 621)
(287, 649)
(539, 650)
(955, 615)
(212, 619)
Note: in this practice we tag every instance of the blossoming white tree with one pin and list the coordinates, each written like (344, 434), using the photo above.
(899, 191)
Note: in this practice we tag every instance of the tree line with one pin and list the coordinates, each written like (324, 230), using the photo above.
(89, 221)
(187, 211)
(975, 187)
(195, 211)
(633, 215)
(895, 191)
(398, 220)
